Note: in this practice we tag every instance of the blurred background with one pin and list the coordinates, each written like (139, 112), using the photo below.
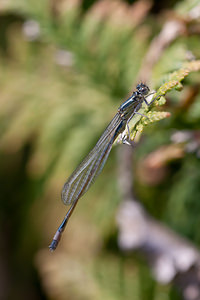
(65, 67)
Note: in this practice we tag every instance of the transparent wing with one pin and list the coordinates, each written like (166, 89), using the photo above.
(86, 173)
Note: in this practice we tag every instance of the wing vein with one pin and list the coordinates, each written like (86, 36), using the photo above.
(85, 174)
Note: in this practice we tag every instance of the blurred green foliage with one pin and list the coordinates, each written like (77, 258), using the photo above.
(64, 70)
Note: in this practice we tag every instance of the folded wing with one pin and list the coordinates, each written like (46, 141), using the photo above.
(85, 174)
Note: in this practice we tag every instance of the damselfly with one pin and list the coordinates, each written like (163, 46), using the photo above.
(86, 173)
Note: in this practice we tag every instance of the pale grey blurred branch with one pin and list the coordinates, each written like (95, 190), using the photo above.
(171, 257)
(170, 31)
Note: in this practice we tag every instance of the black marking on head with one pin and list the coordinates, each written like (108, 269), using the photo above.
(143, 89)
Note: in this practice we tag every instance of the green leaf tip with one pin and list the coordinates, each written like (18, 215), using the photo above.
(175, 78)
(153, 116)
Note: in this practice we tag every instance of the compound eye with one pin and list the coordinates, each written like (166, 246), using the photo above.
(145, 90)
(138, 87)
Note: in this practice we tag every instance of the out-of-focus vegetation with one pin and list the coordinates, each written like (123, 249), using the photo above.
(65, 67)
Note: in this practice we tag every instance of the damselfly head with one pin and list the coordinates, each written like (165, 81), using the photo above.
(143, 89)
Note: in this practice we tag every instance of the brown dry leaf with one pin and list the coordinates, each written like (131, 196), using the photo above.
(153, 169)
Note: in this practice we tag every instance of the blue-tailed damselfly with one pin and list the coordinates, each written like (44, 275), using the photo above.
(86, 173)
